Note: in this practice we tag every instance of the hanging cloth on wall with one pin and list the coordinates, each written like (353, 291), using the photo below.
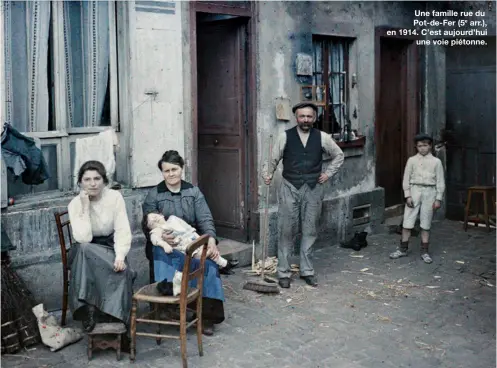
(100, 147)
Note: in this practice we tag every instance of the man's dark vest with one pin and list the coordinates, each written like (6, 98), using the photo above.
(302, 164)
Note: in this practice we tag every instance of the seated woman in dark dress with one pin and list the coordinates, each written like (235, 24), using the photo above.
(101, 283)
(176, 197)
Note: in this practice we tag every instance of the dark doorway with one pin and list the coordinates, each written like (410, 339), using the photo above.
(222, 120)
(396, 113)
(470, 123)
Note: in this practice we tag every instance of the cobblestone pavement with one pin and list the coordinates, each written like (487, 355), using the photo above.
(368, 311)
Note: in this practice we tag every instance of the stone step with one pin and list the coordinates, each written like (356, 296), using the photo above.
(232, 249)
(394, 211)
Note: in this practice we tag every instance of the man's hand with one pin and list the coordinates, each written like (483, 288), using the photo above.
(267, 180)
(119, 265)
(168, 237)
(212, 251)
(323, 178)
(436, 205)
(409, 202)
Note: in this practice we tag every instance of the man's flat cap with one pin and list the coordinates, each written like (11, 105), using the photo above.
(423, 137)
(301, 105)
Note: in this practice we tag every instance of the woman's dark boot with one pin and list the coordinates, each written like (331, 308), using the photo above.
(89, 322)
(207, 328)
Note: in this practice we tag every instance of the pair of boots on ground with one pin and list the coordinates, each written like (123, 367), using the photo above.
(357, 242)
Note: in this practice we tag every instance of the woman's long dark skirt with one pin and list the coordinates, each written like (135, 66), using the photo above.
(94, 282)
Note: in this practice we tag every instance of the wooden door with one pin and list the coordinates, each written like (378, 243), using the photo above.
(470, 122)
(391, 117)
(221, 91)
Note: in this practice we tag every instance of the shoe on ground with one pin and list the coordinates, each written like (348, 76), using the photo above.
(357, 242)
(310, 280)
(284, 282)
(228, 270)
(426, 258)
(398, 253)
(207, 328)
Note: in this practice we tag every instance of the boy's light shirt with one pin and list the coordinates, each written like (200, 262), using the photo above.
(424, 170)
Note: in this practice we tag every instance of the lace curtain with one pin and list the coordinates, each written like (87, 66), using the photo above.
(29, 64)
(86, 62)
(27, 27)
(337, 80)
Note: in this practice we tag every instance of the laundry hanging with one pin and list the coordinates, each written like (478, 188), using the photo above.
(23, 157)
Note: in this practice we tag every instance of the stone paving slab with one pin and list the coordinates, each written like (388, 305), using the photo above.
(400, 313)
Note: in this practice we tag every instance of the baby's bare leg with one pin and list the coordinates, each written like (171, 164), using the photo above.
(221, 262)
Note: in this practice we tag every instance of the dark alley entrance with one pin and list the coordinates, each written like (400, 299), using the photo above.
(223, 125)
(396, 112)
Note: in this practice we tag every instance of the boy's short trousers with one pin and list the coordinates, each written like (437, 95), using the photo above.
(423, 198)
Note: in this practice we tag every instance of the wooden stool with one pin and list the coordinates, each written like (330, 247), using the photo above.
(95, 342)
(486, 192)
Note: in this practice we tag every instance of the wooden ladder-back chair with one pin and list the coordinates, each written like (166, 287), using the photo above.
(150, 294)
(61, 225)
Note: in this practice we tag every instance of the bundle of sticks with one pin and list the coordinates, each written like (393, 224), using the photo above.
(271, 265)
(19, 325)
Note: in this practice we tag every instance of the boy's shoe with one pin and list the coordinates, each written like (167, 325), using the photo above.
(398, 253)
(426, 258)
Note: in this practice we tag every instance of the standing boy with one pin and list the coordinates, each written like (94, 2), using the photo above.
(424, 187)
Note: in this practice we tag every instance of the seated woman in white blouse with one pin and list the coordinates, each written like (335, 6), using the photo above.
(101, 284)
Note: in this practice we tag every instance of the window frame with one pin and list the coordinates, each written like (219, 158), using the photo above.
(63, 134)
(325, 72)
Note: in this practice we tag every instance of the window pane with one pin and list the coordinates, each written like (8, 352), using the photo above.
(87, 57)
(50, 154)
(331, 57)
(16, 187)
(26, 29)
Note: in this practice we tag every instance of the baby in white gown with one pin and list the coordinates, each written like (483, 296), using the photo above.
(183, 234)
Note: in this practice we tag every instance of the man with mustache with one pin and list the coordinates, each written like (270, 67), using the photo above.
(302, 189)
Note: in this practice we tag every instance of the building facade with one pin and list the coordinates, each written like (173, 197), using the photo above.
(214, 81)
